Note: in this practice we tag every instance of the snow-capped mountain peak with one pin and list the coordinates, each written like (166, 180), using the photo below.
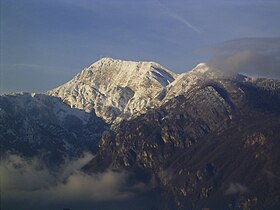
(115, 87)
(201, 74)
(201, 68)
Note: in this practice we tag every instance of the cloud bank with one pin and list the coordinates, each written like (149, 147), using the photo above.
(31, 184)
(258, 57)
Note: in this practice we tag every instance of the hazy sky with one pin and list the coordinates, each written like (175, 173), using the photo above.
(44, 43)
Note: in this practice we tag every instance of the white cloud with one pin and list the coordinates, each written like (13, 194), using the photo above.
(254, 56)
(30, 181)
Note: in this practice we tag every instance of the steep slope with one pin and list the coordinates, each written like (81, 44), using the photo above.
(234, 169)
(201, 75)
(44, 126)
(115, 88)
(204, 138)
(211, 145)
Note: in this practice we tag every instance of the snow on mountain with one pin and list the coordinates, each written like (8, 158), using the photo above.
(197, 122)
(116, 88)
(38, 124)
(32, 101)
(194, 79)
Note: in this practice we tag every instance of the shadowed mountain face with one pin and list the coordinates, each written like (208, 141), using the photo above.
(199, 140)
(44, 126)
(215, 146)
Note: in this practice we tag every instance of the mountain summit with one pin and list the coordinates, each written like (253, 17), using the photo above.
(115, 88)
(203, 139)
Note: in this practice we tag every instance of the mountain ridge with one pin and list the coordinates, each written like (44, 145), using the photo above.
(120, 87)
(117, 89)
(204, 138)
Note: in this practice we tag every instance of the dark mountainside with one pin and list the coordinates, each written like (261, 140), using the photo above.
(210, 148)
(211, 143)
(44, 126)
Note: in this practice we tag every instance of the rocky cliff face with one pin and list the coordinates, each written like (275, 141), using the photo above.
(205, 138)
(210, 144)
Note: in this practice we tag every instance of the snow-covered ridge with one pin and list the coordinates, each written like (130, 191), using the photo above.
(193, 78)
(115, 88)
(42, 102)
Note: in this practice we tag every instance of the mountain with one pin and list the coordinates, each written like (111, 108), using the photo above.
(115, 88)
(204, 139)
(211, 143)
(41, 125)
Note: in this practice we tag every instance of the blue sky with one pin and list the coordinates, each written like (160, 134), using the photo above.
(45, 43)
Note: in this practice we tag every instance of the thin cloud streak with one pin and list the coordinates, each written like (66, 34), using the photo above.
(183, 21)
(178, 18)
